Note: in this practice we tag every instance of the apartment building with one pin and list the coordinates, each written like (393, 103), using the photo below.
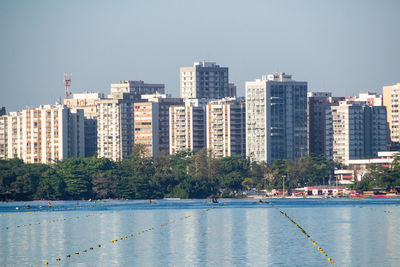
(88, 102)
(370, 98)
(11, 132)
(356, 130)
(187, 126)
(205, 80)
(44, 134)
(391, 102)
(146, 129)
(225, 127)
(164, 102)
(134, 89)
(115, 133)
(276, 118)
(317, 105)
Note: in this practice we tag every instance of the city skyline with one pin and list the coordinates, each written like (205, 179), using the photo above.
(339, 47)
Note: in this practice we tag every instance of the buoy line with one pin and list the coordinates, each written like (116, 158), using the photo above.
(51, 209)
(125, 236)
(329, 259)
(50, 221)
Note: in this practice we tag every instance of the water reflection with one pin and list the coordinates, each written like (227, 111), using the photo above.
(240, 233)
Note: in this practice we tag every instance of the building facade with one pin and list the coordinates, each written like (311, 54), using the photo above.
(164, 102)
(146, 130)
(134, 90)
(88, 102)
(205, 80)
(370, 98)
(356, 130)
(44, 134)
(187, 127)
(276, 118)
(391, 102)
(225, 127)
(317, 105)
(115, 129)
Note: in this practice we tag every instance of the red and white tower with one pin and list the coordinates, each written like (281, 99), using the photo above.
(67, 83)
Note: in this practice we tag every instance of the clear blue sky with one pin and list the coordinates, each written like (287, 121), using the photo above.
(341, 46)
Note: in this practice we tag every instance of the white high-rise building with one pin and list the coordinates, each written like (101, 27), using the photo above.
(44, 134)
(11, 129)
(205, 80)
(355, 130)
(276, 118)
(115, 135)
(225, 127)
(187, 126)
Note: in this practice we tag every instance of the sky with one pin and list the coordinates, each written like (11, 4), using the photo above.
(344, 47)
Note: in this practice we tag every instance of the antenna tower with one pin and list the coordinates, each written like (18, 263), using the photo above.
(67, 83)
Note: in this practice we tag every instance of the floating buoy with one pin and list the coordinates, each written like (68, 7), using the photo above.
(77, 253)
(46, 262)
(68, 255)
(58, 259)
(91, 248)
(84, 250)
(99, 245)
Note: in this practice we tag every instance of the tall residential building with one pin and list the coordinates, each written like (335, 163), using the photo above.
(11, 136)
(317, 105)
(372, 99)
(88, 103)
(2, 111)
(276, 118)
(135, 89)
(3, 136)
(146, 133)
(164, 102)
(225, 127)
(115, 133)
(391, 99)
(205, 80)
(187, 126)
(44, 134)
(356, 130)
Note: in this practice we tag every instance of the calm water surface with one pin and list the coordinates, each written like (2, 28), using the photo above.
(188, 233)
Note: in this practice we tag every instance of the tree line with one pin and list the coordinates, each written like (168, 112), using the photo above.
(182, 175)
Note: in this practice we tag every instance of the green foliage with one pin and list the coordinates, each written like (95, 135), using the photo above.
(183, 175)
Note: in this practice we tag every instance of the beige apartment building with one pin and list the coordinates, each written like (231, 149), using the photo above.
(44, 134)
(146, 121)
(164, 101)
(225, 127)
(88, 102)
(187, 126)
(391, 102)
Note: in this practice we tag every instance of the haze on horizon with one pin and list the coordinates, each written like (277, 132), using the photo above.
(345, 47)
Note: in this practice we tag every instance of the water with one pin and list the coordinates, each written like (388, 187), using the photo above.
(188, 233)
